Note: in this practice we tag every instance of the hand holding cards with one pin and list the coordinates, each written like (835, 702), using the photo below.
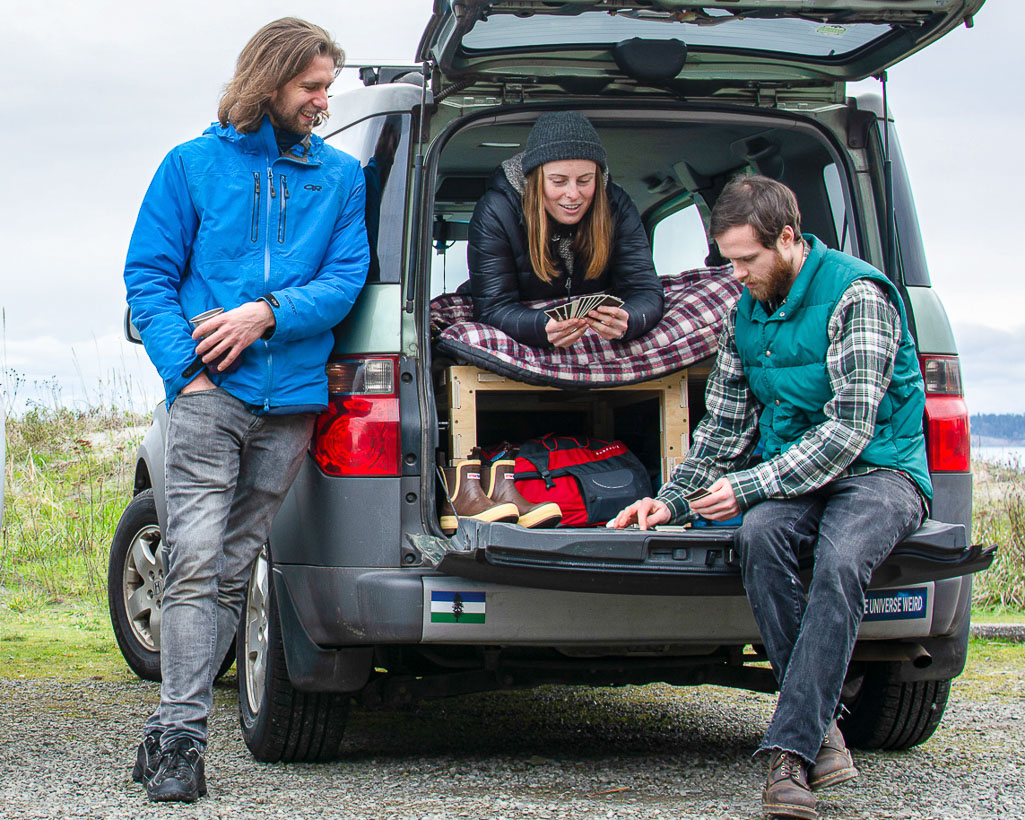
(697, 495)
(581, 306)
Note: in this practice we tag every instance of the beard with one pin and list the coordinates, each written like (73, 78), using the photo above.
(777, 282)
(290, 120)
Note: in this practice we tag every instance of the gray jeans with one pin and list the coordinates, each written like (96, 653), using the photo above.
(227, 472)
(848, 527)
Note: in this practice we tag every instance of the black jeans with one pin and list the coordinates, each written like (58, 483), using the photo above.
(849, 527)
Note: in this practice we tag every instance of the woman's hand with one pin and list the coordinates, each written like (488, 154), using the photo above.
(609, 322)
(565, 333)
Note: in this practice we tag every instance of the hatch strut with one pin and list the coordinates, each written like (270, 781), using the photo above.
(418, 172)
(890, 215)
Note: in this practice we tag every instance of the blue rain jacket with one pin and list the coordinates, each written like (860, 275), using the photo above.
(228, 220)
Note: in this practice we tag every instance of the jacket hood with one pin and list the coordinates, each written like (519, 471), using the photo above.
(263, 138)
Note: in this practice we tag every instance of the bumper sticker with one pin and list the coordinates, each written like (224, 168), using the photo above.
(897, 604)
(457, 607)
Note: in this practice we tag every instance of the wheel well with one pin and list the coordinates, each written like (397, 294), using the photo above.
(142, 479)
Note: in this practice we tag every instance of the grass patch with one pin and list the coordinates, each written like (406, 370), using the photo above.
(69, 476)
(999, 518)
(994, 667)
(69, 641)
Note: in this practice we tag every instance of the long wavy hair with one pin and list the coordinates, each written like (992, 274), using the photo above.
(592, 242)
(278, 52)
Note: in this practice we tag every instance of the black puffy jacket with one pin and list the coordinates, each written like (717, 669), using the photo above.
(501, 276)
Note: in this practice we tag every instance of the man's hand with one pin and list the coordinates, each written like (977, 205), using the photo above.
(609, 322)
(566, 332)
(223, 338)
(648, 512)
(201, 382)
(720, 504)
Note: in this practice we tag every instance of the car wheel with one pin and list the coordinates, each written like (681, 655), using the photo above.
(135, 588)
(887, 713)
(135, 585)
(279, 723)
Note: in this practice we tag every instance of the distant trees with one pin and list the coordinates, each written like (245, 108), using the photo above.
(1007, 426)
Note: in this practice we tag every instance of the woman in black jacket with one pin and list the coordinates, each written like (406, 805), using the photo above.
(552, 226)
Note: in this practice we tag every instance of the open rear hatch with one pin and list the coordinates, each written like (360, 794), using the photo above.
(665, 560)
(690, 48)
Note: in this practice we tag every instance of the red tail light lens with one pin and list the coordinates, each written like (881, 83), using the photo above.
(947, 434)
(358, 435)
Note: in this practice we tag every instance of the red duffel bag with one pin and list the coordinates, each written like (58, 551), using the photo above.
(591, 480)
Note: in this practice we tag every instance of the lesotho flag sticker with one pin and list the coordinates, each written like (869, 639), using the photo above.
(457, 607)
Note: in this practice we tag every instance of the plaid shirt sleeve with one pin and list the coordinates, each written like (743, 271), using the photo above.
(864, 331)
(727, 435)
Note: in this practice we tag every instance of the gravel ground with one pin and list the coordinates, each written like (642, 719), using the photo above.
(66, 750)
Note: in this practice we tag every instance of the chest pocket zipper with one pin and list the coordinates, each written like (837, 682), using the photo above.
(281, 212)
(254, 232)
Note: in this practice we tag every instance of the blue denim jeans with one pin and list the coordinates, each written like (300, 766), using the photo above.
(848, 528)
(227, 472)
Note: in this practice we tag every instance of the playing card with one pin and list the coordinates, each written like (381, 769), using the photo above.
(608, 300)
(697, 495)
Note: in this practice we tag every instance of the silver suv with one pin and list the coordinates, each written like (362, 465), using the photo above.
(359, 594)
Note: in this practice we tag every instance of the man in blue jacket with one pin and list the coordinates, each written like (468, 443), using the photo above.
(262, 220)
(814, 432)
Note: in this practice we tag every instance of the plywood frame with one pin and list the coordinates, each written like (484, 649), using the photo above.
(461, 385)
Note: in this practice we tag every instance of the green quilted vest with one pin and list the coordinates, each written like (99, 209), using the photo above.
(784, 358)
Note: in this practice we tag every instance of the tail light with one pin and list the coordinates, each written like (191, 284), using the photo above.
(358, 435)
(947, 436)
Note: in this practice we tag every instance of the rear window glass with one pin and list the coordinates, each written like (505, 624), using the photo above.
(707, 30)
(679, 242)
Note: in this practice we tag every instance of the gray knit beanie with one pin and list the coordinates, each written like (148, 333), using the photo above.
(562, 135)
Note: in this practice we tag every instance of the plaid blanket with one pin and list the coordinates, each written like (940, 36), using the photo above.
(696, 302)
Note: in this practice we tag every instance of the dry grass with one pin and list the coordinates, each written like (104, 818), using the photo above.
(999, 518)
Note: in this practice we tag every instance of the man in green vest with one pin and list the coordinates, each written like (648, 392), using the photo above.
(814, 434)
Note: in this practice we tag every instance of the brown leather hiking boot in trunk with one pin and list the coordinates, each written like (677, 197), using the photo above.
(466, 499)
(498, 483)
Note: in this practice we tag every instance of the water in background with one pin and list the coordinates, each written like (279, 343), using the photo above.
(1011, 455)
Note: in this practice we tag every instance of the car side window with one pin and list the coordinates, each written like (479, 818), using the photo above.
(679, 242)
(837, 207)
(381, 144)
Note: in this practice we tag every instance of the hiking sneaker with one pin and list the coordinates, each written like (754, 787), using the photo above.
(180, 776)
(147, 757)
(786, 792)
(833, 764)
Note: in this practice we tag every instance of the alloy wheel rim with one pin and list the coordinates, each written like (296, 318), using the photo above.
(255, 634)
(142, 586)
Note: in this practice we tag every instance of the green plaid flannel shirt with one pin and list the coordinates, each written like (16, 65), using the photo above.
(864, 332)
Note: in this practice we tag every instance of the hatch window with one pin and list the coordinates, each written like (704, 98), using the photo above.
(711, 29)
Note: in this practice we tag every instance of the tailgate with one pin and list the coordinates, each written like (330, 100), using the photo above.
(666, 560)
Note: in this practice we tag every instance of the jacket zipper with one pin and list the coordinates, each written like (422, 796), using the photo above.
(281, 210)
(266, 285)
(254, 232)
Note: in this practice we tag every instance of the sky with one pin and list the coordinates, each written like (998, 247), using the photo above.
(94, 95)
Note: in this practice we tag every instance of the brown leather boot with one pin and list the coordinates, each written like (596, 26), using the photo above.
(498, 483)
(462, 484)
(833, 764)
(786, 792)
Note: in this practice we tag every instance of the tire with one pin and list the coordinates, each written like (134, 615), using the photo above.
(279, 723)
(135, 585)
(887, 713)
(135, 588)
